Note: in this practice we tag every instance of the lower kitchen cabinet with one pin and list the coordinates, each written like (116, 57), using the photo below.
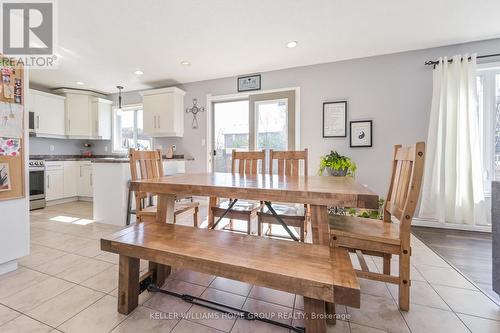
(70, 178)
(54, 180)
(85, 186)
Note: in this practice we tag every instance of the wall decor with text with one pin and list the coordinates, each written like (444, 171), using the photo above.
(249, 83)
(361, 133)
(335, 119)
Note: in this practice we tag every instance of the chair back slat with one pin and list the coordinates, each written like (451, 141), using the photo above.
(288, 162)
(248, 162)
(404, 188)
(144, 165)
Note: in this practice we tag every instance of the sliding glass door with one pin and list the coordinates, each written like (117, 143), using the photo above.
(261, 121)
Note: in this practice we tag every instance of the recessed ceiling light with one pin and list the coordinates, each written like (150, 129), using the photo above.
(185, 63)
(292, 44)
(80, 83)
(138, 72)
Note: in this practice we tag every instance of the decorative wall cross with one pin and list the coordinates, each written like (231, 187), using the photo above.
(194, 110)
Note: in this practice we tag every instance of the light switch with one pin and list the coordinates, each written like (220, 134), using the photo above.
(105, 148)
(51, 148)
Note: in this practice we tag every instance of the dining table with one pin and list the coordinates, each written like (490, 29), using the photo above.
(319, 192)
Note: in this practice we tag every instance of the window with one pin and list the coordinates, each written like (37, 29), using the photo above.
(128, 130)
(488, 88)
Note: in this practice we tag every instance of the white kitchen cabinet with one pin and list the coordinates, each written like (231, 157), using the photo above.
(163, 112)
(49, 114)
(85, 186)
(71, 175)
(88, 115)
(101, 115)
(78, 119)
(54, 180)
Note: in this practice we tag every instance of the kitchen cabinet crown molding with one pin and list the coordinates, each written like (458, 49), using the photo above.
(64, 91)
(46, 94)
(168, 90)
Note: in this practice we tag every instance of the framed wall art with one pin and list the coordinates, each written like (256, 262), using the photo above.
(361, 133)
(335, 119)
(249, 82)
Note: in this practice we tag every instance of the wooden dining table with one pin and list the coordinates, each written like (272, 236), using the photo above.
(317, 191)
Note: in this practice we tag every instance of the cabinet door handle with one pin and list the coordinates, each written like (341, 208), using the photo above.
(91, 180)
(154, 120)
(96, 127)
(159, 122)
(48, 181)
(38, 122)
(69, 125)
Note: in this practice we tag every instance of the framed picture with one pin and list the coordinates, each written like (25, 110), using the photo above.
(361, 133)
(249, 82)
(4, 177)
(335, 119)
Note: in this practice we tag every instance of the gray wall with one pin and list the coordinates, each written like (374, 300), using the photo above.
(392, 90)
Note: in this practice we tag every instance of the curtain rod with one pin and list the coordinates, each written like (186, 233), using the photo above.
(435, 62)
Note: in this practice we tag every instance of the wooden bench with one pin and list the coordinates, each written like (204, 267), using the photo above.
(319, 273)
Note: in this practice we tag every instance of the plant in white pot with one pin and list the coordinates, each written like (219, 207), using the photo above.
(337, 165)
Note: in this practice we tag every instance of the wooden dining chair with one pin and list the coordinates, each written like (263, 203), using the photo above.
(385, 238)
(146, 165)
(288, 165)
(247, 163)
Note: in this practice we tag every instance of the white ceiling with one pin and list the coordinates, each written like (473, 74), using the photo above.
(103, 42)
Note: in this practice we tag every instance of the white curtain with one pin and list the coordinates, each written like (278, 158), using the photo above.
(453, 186)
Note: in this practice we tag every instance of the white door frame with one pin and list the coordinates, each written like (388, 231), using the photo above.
(239, 96)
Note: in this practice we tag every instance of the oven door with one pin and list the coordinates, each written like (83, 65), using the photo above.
(37, 183)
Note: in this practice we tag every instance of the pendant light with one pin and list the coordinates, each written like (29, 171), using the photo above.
(119, 111)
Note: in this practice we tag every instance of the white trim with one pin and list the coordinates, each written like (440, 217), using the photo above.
(421, 222)
(487, 66)
(245, 95)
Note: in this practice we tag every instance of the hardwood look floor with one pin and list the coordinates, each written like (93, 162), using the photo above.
(468, 251)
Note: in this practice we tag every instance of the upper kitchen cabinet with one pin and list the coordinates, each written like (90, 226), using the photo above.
(163, 111)
(101, 113)
(48, 114)
(88, 115)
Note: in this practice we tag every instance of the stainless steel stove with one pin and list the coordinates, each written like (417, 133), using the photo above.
(37, 184)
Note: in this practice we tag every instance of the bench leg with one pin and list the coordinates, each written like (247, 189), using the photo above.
(315, 320)
(160, 273)
(128, 284)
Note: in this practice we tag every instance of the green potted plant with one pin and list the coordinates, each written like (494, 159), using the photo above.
(337, 165)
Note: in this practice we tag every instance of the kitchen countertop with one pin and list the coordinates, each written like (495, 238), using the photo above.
(101, 158)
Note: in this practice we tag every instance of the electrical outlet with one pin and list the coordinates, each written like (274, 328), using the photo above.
(203, 142)
(51, 148)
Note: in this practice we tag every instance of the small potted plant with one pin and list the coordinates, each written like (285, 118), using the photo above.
(337, 165)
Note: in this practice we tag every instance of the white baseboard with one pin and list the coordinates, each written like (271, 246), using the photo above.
(61, 201)
(8, 266)
(421, 222)
(66, 200)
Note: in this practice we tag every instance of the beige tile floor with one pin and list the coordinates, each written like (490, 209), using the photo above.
(67, 284)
